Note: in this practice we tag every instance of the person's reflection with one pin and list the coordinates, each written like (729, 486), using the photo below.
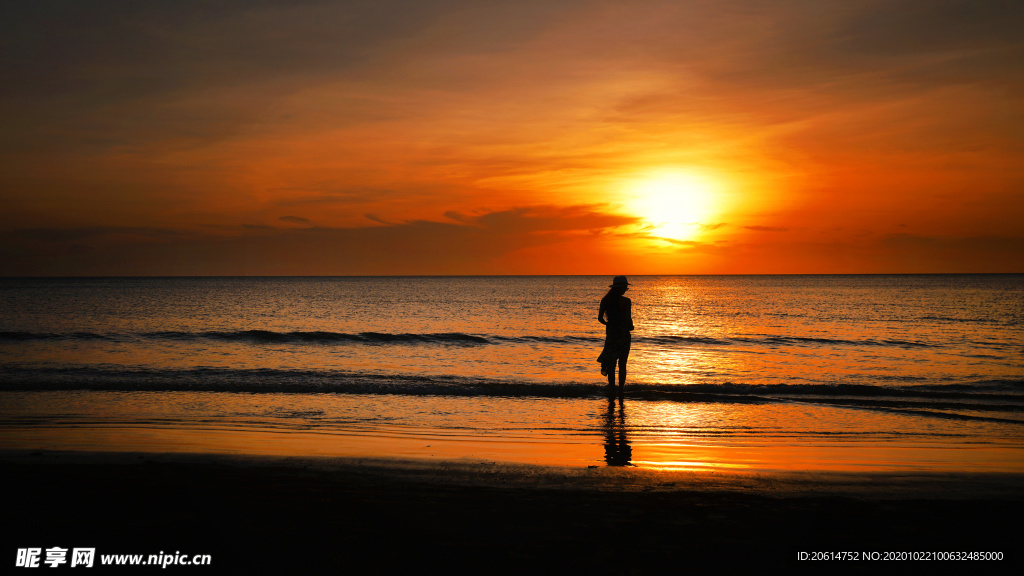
(616, 448)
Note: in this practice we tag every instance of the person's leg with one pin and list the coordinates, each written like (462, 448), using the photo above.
(611, 375)
(623, 358)
(622, 365)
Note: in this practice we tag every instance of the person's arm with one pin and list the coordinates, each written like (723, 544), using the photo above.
(600, 314)
(629, 312)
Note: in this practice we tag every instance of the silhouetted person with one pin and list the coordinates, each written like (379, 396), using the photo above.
(617, 451)
(616, 313)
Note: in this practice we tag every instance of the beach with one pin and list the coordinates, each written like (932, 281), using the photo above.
(460, 424)
(362, 515)
(558, 287)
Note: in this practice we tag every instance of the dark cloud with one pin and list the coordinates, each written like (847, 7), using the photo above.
(413, 247)
(295, 220)
(915, 42)
(135, 48)
(954, 253)
(457, 216)
(888, 254)
(766, 229)
(58, 235)
(933, 42)
(951, 254)
(105, 73)
(896, 27)
(378, 219)
(801, 58)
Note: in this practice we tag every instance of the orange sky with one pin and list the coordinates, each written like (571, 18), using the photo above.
(547, 137)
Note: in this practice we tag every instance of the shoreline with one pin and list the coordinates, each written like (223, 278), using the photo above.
(463, 516)
(743, 456)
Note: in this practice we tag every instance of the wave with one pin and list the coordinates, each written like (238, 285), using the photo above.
(457, 338)
(987, 396)
(954, 320)
(772, 340)
(24, 336)
(261, 336)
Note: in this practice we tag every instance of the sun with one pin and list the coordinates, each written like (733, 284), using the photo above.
(673, 204)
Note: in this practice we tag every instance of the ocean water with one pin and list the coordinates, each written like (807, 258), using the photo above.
(721, 361)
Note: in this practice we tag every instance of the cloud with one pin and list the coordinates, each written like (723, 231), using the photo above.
(898, 42)
(912, 253)
(123, 73)
(474, 246)
(453, 215)
(144, 119)
(946, 42)
(886, 254)
(327, 193)
(59, 235)
(378, 219)
(539, 219)
(980, 253)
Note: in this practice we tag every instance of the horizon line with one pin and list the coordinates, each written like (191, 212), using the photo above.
(185, 276)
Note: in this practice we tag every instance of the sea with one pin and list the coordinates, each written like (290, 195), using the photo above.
(848, 372)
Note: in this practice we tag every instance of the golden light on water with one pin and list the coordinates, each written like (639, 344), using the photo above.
(675, 204)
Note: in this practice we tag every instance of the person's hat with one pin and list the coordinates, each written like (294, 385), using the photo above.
(619, 281)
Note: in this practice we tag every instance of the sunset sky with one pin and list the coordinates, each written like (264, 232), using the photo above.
(523, 137)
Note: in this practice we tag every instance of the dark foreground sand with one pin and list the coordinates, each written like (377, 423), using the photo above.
(356, 516)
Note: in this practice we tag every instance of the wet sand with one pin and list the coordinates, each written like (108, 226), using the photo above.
(742, 456)
(464, 516)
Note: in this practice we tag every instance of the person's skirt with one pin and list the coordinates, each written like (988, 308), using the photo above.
(616, 347)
